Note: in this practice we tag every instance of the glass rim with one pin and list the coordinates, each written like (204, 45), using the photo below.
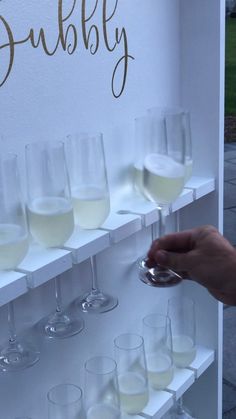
(44, 142)
(100, 357)
(125, 348)
(169, 110)
(84, 134)
(7, 155)
(156, 316)
(74, 386)
(185, 298)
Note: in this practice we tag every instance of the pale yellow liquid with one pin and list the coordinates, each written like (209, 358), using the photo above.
(91, 208)
(160, 370)
(188, 169)
(138, 180)
(13, 245)
(133, 392)
(103, 411)
(51, 220)
(163, 178)
(184, 351)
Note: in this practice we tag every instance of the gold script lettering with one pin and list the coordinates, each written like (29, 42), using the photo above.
(67, 39)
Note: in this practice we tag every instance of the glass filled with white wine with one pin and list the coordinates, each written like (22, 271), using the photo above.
(158, 347)
(51, 219)
(164, 171)
(14, 242)
(91, 203)
(132, 372)
(142, 137)
(101, 395)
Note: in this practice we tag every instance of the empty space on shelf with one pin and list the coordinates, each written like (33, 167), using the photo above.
(12, 285)
(185, 198)
(201, 186)
(86, 243)
(204, 358)
(42, 264)
(183, 379)
(121, 226)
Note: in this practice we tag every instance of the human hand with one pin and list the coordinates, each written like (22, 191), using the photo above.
(203, 255)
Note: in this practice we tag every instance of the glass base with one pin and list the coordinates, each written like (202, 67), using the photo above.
(97, 302)
(60, 325)
(17, 356)
(158, 276)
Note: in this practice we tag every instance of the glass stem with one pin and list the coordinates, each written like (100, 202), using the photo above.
(153, 231)
(94, 274)
(180, 404)
(58, 294)
(162, 221)
(177, 221)
(11, 323)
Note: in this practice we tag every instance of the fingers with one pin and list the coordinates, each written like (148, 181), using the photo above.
(176, 242)
(175, 261)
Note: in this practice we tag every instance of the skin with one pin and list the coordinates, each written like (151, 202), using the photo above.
(201, 254)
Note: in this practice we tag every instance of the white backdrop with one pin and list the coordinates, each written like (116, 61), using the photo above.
(47, 97)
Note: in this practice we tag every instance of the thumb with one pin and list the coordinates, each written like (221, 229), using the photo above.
(172, 260)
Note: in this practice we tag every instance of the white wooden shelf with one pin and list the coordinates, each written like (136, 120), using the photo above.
(203, 360)
(12, 285)
(40, 265)
(86, 243)
(122, 226)
(161, 401)
(200, 186)
(183, 379)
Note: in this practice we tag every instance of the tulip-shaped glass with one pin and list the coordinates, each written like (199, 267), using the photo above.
(163, 181)
(91, 202)
(51, 220)
(14, 243)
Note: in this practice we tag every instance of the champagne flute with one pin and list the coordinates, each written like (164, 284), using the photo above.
(101, 389)
(132, 372)
(158, 347)
(51, 220)
(17, 354)
(91, 202)
(163, 179)
(142, 134)
(181, 310)
(65, 402)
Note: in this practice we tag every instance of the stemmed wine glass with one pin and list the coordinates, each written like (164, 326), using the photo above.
(91, 202)
(18, 354)
(163, 180)
(51, 219)
(142, 135)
